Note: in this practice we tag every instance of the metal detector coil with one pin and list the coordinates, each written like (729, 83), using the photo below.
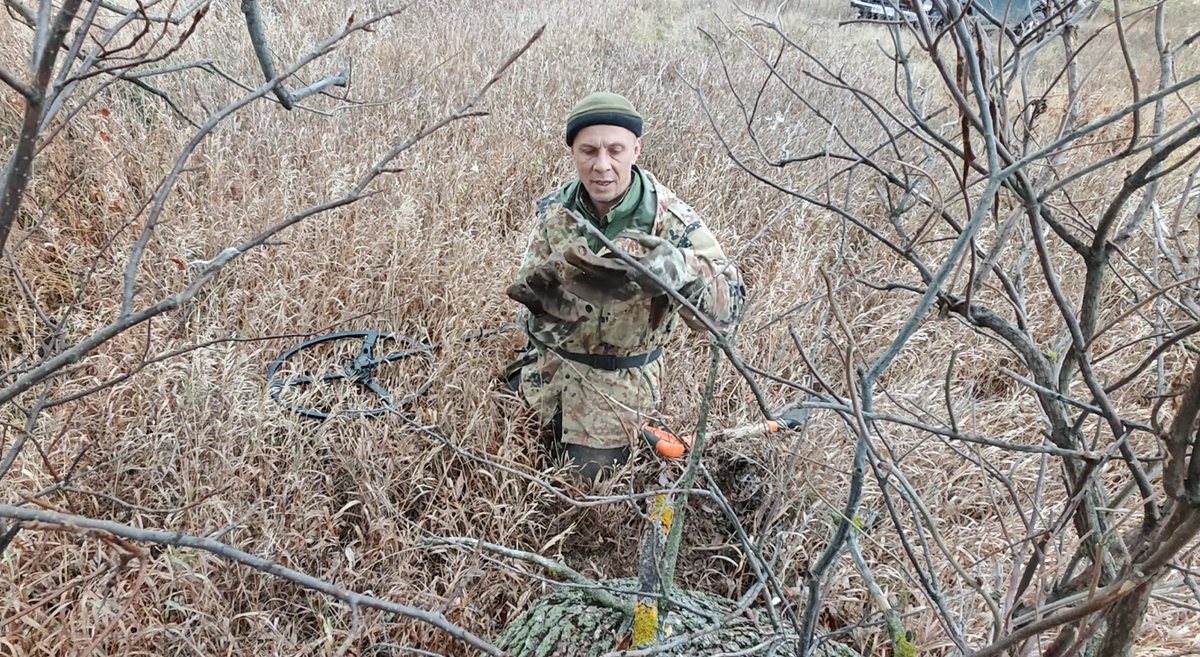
(357, 370)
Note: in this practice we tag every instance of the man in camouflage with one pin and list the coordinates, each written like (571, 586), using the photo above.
(594, 364)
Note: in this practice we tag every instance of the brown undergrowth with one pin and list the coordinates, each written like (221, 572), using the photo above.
(350, 500)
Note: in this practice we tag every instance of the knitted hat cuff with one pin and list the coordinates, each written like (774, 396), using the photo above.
(627, 121)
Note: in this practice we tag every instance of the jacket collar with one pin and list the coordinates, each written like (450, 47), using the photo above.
(636, 209)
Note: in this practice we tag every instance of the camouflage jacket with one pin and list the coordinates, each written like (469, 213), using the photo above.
(602, 408)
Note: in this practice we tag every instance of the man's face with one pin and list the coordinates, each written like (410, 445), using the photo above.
(604, 156)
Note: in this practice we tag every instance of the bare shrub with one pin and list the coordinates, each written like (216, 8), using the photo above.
(1010, 189)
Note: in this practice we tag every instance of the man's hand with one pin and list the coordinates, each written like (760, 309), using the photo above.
(544, 294)
(568, 286)
(601, 279)
(665, 261)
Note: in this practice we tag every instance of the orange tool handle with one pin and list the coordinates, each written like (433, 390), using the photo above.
(665, 442)
(672, 446)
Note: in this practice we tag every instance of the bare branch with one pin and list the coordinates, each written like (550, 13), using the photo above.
(1182, 430)
(984, 440)
(1074, 135)
(338, 80)
(15, 175)
(926, 577)
(1131, 69)
(175, 18)
(258, 38)
(54, 520)
(910, 495)
(679, 507)
(31, 418)
(1105, 596)
(24, 14)
(901, 644)
(163, 70)
(978, 214)
(1139, 305)
(166, 98)
(556, 569)
(9, 78)
(1159, 350)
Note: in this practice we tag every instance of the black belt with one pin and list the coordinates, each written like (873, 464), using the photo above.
(611, 363)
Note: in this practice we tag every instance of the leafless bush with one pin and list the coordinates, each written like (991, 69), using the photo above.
(978, 188)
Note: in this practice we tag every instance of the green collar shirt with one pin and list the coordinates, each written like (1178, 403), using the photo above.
(636, 209)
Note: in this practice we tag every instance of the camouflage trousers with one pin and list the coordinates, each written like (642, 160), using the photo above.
(600, 409)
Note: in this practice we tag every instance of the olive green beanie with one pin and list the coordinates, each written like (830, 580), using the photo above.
(603, 108)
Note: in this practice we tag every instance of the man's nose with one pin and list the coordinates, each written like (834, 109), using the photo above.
(603, 162)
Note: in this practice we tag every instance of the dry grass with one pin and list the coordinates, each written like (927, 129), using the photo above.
(349, 500)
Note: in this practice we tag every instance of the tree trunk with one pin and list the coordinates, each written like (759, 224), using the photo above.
(1124, 620)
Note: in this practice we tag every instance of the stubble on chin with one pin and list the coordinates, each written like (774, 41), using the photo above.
(605, 197)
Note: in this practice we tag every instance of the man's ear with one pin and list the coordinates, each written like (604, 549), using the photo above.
(637, 149)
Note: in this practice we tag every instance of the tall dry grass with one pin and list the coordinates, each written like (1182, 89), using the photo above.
(429, 257)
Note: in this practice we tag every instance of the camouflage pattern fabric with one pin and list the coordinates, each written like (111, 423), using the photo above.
(606, 409)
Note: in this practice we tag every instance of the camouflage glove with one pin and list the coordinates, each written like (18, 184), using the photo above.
(665, 261)
(552, 311)
(600, 279)
(544, 294)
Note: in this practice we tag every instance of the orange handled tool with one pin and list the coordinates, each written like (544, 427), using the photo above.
(671, 446)
(666, 443)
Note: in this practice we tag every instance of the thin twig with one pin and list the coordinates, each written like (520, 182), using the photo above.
(556, 569)
(10, 78)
